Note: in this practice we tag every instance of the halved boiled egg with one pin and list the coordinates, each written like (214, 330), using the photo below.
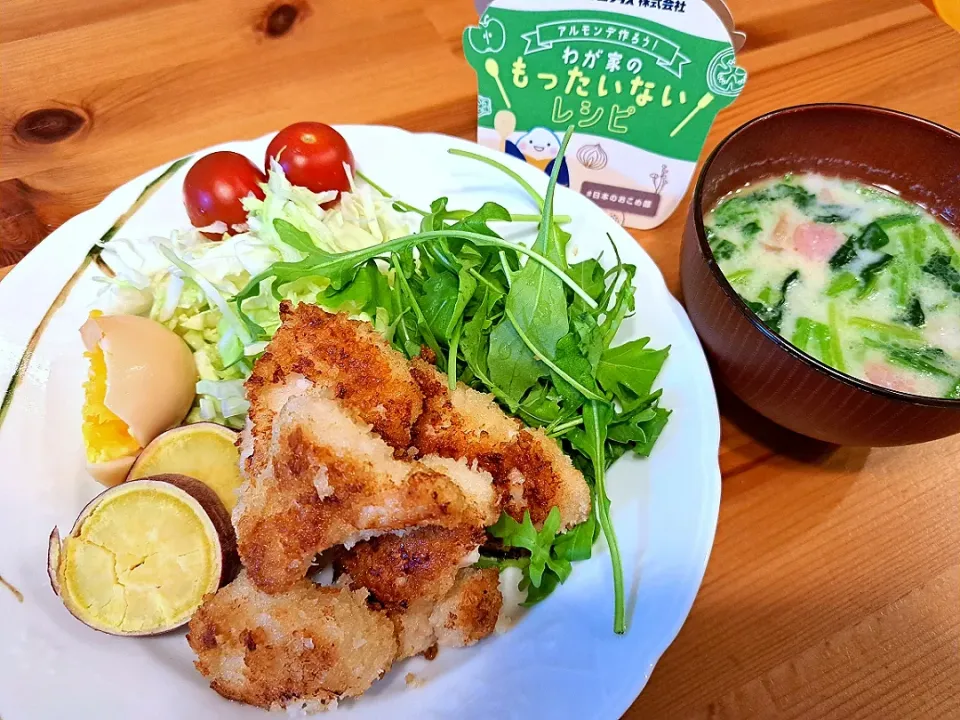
(141, 381)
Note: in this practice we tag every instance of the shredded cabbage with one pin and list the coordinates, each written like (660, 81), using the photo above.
(185, 281)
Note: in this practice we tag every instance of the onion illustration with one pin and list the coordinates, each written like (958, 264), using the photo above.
(592, 157)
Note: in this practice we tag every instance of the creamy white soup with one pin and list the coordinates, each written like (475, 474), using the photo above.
(851, 274)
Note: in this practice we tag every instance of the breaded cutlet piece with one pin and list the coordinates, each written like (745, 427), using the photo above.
(421, 564)
(538, 476)
(530, 470)
(347, 357)
(468, 613)
(476, 484)
(470, 610)
(414, 577)
(330, 481)
(460, 424)
(304, 649)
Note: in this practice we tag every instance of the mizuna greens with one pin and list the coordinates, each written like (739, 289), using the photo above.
(521, 323)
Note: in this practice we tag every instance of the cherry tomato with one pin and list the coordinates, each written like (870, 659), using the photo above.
(214, 186)
(312, 155)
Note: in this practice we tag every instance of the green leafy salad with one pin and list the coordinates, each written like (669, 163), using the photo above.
(521, 323)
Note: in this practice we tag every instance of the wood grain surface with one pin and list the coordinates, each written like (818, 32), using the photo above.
(834, 586)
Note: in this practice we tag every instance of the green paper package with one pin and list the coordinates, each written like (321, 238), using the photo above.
(640, 80)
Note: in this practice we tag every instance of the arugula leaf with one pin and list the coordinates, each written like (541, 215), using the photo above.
(341, 268)
(406, 335)
(536, 594)
(477, 222)
(539, 408)
(411, 304)
(653, 428)
(631, 366)
(537, 303)
(539, 543)
(576, 366)
(369, 290)
(473, 343)
(631, 429)
(588, 274)
(623, 305)
(513, 368)
(294, 237)
(438, 301)
(577, 543)
(592, 441)
(590, 336)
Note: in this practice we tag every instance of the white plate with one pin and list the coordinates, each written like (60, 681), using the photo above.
(562, 660)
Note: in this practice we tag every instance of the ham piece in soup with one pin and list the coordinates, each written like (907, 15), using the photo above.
(851, 274)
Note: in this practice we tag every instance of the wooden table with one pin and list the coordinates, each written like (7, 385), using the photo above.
(834, 586)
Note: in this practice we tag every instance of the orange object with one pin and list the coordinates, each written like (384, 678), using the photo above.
(948, 10)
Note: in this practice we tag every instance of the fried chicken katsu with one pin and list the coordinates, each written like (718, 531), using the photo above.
(349, 448)
(465, 615)
(425, 585)
(419, 565)
(315, 348)
(330, 481)
(303, 649)
(529, 469)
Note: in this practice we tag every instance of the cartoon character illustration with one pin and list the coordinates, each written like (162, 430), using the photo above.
(540, 147)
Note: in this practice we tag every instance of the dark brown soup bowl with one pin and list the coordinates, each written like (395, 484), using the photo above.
(919, 159)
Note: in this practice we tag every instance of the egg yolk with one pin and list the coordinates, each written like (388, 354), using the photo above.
(106, 436)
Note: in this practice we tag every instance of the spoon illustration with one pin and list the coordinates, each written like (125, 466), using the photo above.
(504, 122)
(701, 104)
(493, 70)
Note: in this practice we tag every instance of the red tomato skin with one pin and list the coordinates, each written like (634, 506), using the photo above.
(312, 155)
(215, 185)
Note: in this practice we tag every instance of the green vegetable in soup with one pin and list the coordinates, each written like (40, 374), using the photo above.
(735, 211)
(929, 360)
(873, 237)
(954, 392)
(770, 311)
(886, 330)
(939, 266)
(841, 283)
(822, 340)
(742, 209)
(801, 198)
(856, 277)
(914, 314)
(832, 213)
